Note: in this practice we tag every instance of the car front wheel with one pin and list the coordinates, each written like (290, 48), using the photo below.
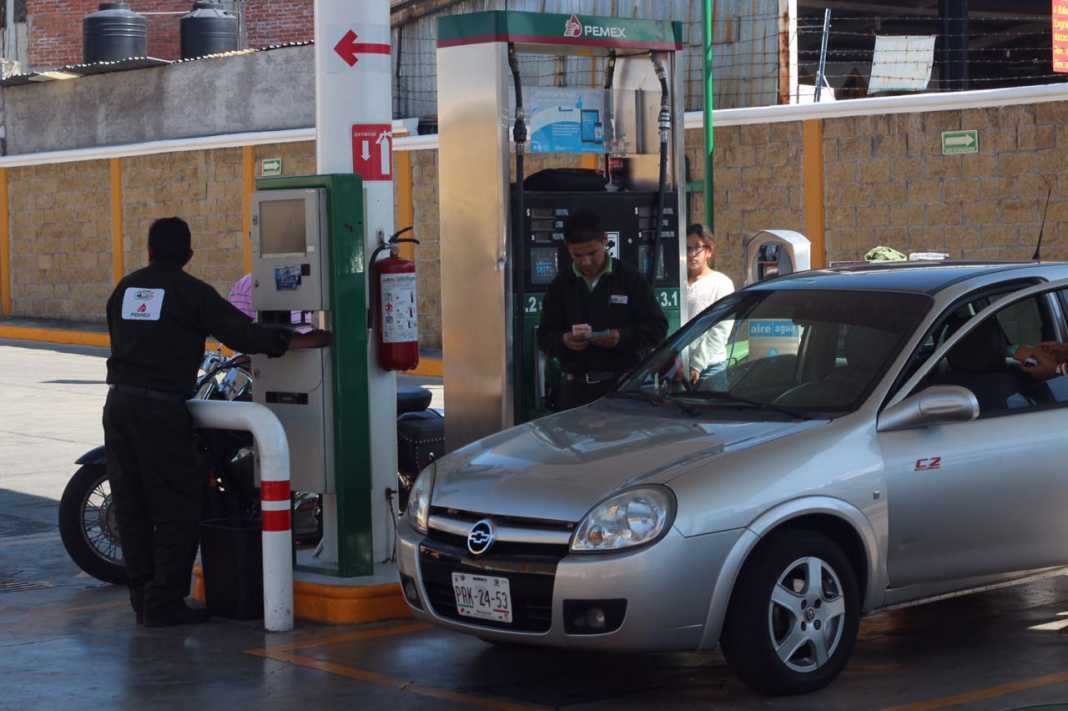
(794, 614)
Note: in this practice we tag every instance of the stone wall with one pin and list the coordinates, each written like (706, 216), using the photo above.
(205, 189)
(756, 185)
(888, 183)
(60, 220)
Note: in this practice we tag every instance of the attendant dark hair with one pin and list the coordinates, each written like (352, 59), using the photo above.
(169, 241)
(583, 227)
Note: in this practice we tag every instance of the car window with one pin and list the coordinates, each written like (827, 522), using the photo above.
(984, 363)
(811, 351)
(963, 311)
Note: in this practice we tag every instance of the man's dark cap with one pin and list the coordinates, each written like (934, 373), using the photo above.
(169, 240)
(583, 226)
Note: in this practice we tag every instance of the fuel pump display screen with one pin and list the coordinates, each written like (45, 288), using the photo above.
(645, 260)
(282, 227)
(544, 263)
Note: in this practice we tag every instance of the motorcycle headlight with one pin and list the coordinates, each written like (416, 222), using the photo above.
(632, 518)
(419, 498)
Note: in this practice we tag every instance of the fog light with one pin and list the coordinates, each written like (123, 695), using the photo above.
(411, 592)
(593, 616)
(595, 619)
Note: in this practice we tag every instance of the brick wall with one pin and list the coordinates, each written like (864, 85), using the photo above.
(60, 220)
(55, 26)
(278, 21)
(888, 183)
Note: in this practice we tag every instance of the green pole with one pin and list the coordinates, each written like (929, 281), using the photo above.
(710, 213)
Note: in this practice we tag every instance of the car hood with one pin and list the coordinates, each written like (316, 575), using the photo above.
(559, 467)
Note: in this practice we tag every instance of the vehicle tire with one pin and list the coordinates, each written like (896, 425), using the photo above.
(783, 634)
(87, 525)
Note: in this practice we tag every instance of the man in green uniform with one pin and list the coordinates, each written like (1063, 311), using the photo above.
(598, 317)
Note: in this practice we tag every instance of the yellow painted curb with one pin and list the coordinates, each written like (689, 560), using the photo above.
(335, 604)
(55, 335)
(427, 368)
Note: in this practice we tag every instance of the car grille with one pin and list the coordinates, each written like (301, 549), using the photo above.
(530, 569)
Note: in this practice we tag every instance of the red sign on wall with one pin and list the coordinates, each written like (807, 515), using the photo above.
(1060, 36)
(372, 150)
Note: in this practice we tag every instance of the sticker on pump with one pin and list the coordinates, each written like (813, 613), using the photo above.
(400, 320)
(142, 304)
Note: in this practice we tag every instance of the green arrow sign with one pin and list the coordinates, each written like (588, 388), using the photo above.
(955, 143)
(271, 168)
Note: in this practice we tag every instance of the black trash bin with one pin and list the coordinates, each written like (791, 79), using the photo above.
(231, 554)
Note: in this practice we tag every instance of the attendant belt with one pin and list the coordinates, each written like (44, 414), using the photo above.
(149, 393)
(593, 377)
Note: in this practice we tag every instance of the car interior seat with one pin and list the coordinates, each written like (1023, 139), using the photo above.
(978, 362)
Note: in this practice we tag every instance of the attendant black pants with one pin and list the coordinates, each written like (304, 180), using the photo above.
(158, 485)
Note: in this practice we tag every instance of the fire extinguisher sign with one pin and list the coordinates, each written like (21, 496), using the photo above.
(400, 320)
(372, 150)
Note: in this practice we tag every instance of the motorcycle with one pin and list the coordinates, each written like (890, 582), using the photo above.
(87, 524)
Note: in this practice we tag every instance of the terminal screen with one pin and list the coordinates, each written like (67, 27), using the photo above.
(282, 227)
(645, 259)
(543, 265)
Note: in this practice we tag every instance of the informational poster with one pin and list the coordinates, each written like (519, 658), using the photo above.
(566, 120)
(400, 319)
(1060, 36)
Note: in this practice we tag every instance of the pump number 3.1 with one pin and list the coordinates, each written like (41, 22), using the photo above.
(482, 596)
(667, 298)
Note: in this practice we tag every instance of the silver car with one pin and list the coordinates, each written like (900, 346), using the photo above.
(869, 440)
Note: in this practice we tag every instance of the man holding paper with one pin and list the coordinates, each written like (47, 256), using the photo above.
(598, 317)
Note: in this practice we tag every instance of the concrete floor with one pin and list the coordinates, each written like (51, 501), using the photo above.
(66, 639)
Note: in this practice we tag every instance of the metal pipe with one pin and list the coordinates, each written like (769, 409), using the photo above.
(710, 214)
(519, 137)
(822, 73)
(272, 449)
(609, 112)
(664, 126)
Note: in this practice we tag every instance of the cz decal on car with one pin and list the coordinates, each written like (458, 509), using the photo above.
(923, 465)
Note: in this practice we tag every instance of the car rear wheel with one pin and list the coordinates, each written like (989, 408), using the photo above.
(794, 614)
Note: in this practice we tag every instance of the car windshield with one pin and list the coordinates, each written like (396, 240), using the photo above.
(787, 352)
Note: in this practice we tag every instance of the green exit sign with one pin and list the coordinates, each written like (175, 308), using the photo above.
(271, 168)
(955, 143)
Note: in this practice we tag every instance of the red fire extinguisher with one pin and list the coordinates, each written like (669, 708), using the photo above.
(395, 313)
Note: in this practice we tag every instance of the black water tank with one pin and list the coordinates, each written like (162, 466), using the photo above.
(208, 29)
(114, 32)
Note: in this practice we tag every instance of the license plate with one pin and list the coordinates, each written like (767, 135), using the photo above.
(483, 597)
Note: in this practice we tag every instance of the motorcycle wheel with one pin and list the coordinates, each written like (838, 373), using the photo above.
(87, 525)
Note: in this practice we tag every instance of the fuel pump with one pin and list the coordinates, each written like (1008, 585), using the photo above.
(613, 148)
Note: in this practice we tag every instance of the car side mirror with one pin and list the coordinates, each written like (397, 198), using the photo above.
(935, 405)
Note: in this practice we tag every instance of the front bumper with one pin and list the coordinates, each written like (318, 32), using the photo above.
(667, 587)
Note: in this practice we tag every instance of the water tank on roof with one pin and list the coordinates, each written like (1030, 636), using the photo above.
(114, 32)
(208, 29)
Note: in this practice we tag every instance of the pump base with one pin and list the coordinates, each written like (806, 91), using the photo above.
(343, 601)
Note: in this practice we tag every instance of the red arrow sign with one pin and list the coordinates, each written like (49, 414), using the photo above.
(348, 48)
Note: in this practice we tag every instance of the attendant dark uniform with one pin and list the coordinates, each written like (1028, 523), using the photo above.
(621, 299)
(159, 317)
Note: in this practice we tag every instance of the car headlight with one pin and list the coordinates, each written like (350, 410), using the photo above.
(419, 498)
(632, 518)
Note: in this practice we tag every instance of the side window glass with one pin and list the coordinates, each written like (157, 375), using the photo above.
(983, 361)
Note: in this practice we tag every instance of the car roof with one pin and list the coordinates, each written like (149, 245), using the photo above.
(917, 277)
